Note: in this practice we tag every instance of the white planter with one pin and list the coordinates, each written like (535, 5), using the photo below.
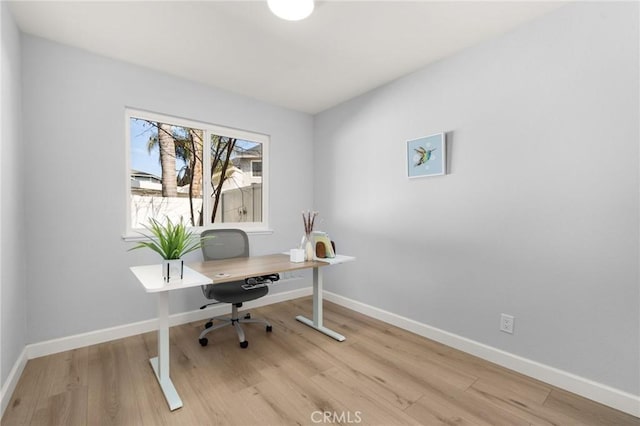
(172, 269)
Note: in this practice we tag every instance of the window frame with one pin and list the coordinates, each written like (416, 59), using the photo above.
(132, 234)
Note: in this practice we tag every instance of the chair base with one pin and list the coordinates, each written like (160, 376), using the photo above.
(235, 321)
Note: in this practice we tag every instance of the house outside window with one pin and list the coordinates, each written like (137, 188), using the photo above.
(206, 175)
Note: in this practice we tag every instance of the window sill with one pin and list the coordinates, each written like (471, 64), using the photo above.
(135, 236)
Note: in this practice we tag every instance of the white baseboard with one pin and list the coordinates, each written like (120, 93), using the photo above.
(598, 392)
(603, 394)
(68, 343)
(36, 350)
(12, 381)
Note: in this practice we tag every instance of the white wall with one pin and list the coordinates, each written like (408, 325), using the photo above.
(13, 306)
(74, 134)
(538, 216)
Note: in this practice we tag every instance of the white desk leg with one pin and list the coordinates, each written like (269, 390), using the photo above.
(317, 309)
(160, 363)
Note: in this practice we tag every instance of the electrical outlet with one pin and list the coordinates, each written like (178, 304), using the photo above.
(506, 323)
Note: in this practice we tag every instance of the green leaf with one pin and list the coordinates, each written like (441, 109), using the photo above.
(171, 241)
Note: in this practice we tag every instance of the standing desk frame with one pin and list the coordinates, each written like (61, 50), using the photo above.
(217, 272)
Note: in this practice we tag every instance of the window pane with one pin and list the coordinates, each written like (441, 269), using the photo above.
(236, 191)
(166, 172)
(256, 168)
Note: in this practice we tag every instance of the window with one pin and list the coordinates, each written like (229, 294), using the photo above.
(206, 175)
(256, 168)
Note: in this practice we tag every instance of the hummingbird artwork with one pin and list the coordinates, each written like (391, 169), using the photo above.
(423, 155)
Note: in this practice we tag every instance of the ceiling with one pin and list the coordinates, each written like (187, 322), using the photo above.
(344, 49)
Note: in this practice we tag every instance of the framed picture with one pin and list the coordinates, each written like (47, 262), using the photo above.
(426, 156)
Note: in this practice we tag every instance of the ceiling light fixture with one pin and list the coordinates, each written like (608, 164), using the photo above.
(291, 10)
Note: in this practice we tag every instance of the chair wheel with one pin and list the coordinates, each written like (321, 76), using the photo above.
(269, 329)
(204, 341)
(247, 315)
(208, 325)
(244, 344)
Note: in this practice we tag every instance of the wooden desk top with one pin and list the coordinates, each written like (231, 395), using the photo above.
(221, 271)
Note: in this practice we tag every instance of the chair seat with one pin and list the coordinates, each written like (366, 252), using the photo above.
(233, 292)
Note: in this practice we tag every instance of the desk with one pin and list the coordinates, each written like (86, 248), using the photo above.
(207, 272)
(241, 268)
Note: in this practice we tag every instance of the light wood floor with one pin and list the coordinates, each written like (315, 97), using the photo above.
(380, 375)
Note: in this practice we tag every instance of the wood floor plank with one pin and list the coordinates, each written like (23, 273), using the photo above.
(68, 371)
(62, 399)
(467, 406)
(148, 395)
(380, 375)
(65, 408)
(436, 412)
(511, 382)
(295, 399)
(24, 401)
(587, 412)
(200, 377)
(404, 343)
(419, 363)
(525, 408)
(358, 402)
(111, 389)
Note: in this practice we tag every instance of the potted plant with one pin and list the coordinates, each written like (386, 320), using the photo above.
(171, 241)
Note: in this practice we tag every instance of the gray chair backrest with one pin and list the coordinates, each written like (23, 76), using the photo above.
(225, 244)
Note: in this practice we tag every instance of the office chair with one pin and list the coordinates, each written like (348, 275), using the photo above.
(228, 244)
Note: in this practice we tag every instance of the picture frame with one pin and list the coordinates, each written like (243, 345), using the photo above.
(427, 156)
